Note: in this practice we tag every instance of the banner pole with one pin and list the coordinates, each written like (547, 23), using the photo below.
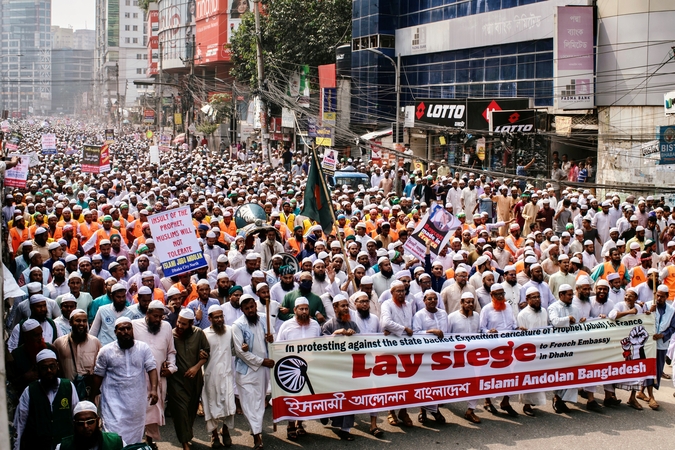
(332, 213)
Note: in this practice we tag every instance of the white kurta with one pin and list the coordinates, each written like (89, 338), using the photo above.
(251, 385)
(123, 391)
(530, 319)
(395, 319)
(459, 323)
(163, 350)
(218, 392)
(291, 330)
(498, 320)
(370, 325)
(231, 313)
(424, 320)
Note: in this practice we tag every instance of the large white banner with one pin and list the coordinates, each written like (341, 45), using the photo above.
(338, 375)
(176, 242)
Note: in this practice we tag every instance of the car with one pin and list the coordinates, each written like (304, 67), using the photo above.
(355, 180)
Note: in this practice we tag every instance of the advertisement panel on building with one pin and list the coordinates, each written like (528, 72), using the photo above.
(667, 144)
(574, 56)
(523, 121)
(174, 22)
(212, 31)
(469, 114)
(669, 102)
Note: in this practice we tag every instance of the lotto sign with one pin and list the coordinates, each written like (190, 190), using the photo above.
(337, 375)
(176, 241)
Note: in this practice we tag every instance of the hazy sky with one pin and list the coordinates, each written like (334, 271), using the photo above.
(76, 13)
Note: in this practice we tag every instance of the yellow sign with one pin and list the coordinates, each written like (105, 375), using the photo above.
(324, 141)
(148, 134)
(442, 140)
(419, 165)
(178, 119)
(480, 149)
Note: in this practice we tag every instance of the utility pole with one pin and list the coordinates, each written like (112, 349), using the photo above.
(159, 109)
(264, 132)
(117, 85)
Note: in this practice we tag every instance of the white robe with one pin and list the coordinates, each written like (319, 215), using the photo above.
(218, 392)
(530, 319)
(123, 392)
(459, 323)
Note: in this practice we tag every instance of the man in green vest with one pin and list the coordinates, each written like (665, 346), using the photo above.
(88, 434)
(45, 411)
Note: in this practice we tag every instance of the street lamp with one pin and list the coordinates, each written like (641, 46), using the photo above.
(397, 68)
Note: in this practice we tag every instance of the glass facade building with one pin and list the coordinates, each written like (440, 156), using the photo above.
(508, 67)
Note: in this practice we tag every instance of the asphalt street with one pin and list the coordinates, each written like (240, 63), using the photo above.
(618, 428)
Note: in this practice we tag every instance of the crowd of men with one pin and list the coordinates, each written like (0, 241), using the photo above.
(101, 344)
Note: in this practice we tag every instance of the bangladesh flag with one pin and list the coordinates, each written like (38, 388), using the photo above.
(317, 206)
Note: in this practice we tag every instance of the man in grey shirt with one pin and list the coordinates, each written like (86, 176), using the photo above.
(563, 217)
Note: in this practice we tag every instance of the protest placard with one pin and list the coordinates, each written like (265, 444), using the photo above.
(17, 175)
(49, 144)
(330, 160)
(436, 227)
(176, 243)
(91, 158)
(13, 142)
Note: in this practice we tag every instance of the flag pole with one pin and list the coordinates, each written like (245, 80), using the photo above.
(332, 213)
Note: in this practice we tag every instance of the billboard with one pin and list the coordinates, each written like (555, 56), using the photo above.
(212, 31)
(669, 102)
(667, 144)
(574, 38)
(470, 114)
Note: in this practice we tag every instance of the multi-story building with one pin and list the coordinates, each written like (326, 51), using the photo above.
(120, 53)
(84, 39)
(25, 56)
(62, 37)
(597, 69)
(72, 69)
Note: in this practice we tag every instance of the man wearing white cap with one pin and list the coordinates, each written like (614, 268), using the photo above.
(242, 276)
(68, 305)
(532, 317)
(218, 393)
(213, 249)
(537, 281)
(77, 350)
(103, 326)
(87, 431)
(185, 386)
(200, 306)
(451, 295)
(252, 365)
(120, 377)
(84, 299)
(38, 312)
(37, 424)
(562, 276)
(156, 332)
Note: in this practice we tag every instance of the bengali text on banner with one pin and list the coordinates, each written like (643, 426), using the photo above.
(337, 375)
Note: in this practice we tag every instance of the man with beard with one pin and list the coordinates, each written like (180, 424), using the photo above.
(582, 300)
(483, 292)
(84, 299)
(341, 325)
(200, 306)
(38, 424)
(384, 278)
(264, 298)
(212, 249)
(354, 278)
(269, 248)
(97, 267)
(22, 365)
(274, 272)
(452, 295)
(300, 326)
(256, 277)
(218, 392)
(285, 285)
(495, 317)
(242, 276)
(103, 326)
(35, 263)
(324, 279)
(514, 241)
(38, 311)
(537, 281)
(222, 289)
(562, 314)
(87, 432)
(295, 245)
(185, 386)
(363, 258)
(316, 308)
(156, 332)
(222, 266)
(55, 253)
(562, 276)
(231, 309)
(59, 285)
(466, 320)
(68, 304)
(647, 289)
(532, 317)
(396, 319)
(252, 366)
(434, 321)
(119, 376)
(40, 237)
(91, 283)
(77, 350)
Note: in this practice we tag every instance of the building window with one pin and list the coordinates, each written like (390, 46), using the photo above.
(135, 15)
(127, 2)
(127, 28)
(139, 56)
(135, 27)
(127, 40)
(139, 71)
(135, 40)
(126, 15)
(145, 56)
(135, 2)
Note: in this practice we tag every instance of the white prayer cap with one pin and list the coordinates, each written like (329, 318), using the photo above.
(143, 256)
(258, 274)
(252, 256)
(663, 288)
(382, 259)
(418, 269)
(339, 298)
(366, 280)
(53, 246)
(222, 259)
(467, 295)
(563, 257)
(530, 260)
(583, 281)
(460, 270)
(565, 234)
(121, 320)
(68, 298)
(564, 287)
(222, 275)
(402, 274)
(45, 354)
(496, 287)
(603, 283)
(639, 228)
(187, 313)
(144, 290)
(430, 291)
(531, 290)
(104, 242)
(301, 301)
(588, 242)
(319, 260)
(29, 325)
(211, 235)
(509, 268)
(555, 239)
(482, 260)
(118, 287)
(486, 274)
(575, 260)
(172, 291)
(214, 308)
(74, 275)
(634, 246)
(633, 290)
(437, 263)
(84, 406)
(34, 287)
(37, 298)
(396, 283)
(203, 282)
(156, 304)
(58, 264)
(535, 266)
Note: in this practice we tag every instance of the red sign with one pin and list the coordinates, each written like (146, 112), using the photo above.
(211, 31)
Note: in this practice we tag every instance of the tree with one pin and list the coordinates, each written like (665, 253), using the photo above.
(293, 33)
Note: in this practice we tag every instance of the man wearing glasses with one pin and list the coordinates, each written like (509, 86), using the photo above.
(88, 434)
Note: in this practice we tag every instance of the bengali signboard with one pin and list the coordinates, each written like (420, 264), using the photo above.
(176, 241)
(337, 375)
(324, 136)
(667, 144)
(95, 158)
(575, 57)
(13, 142)
(49, 144)
(435, 227)
(17, 175)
